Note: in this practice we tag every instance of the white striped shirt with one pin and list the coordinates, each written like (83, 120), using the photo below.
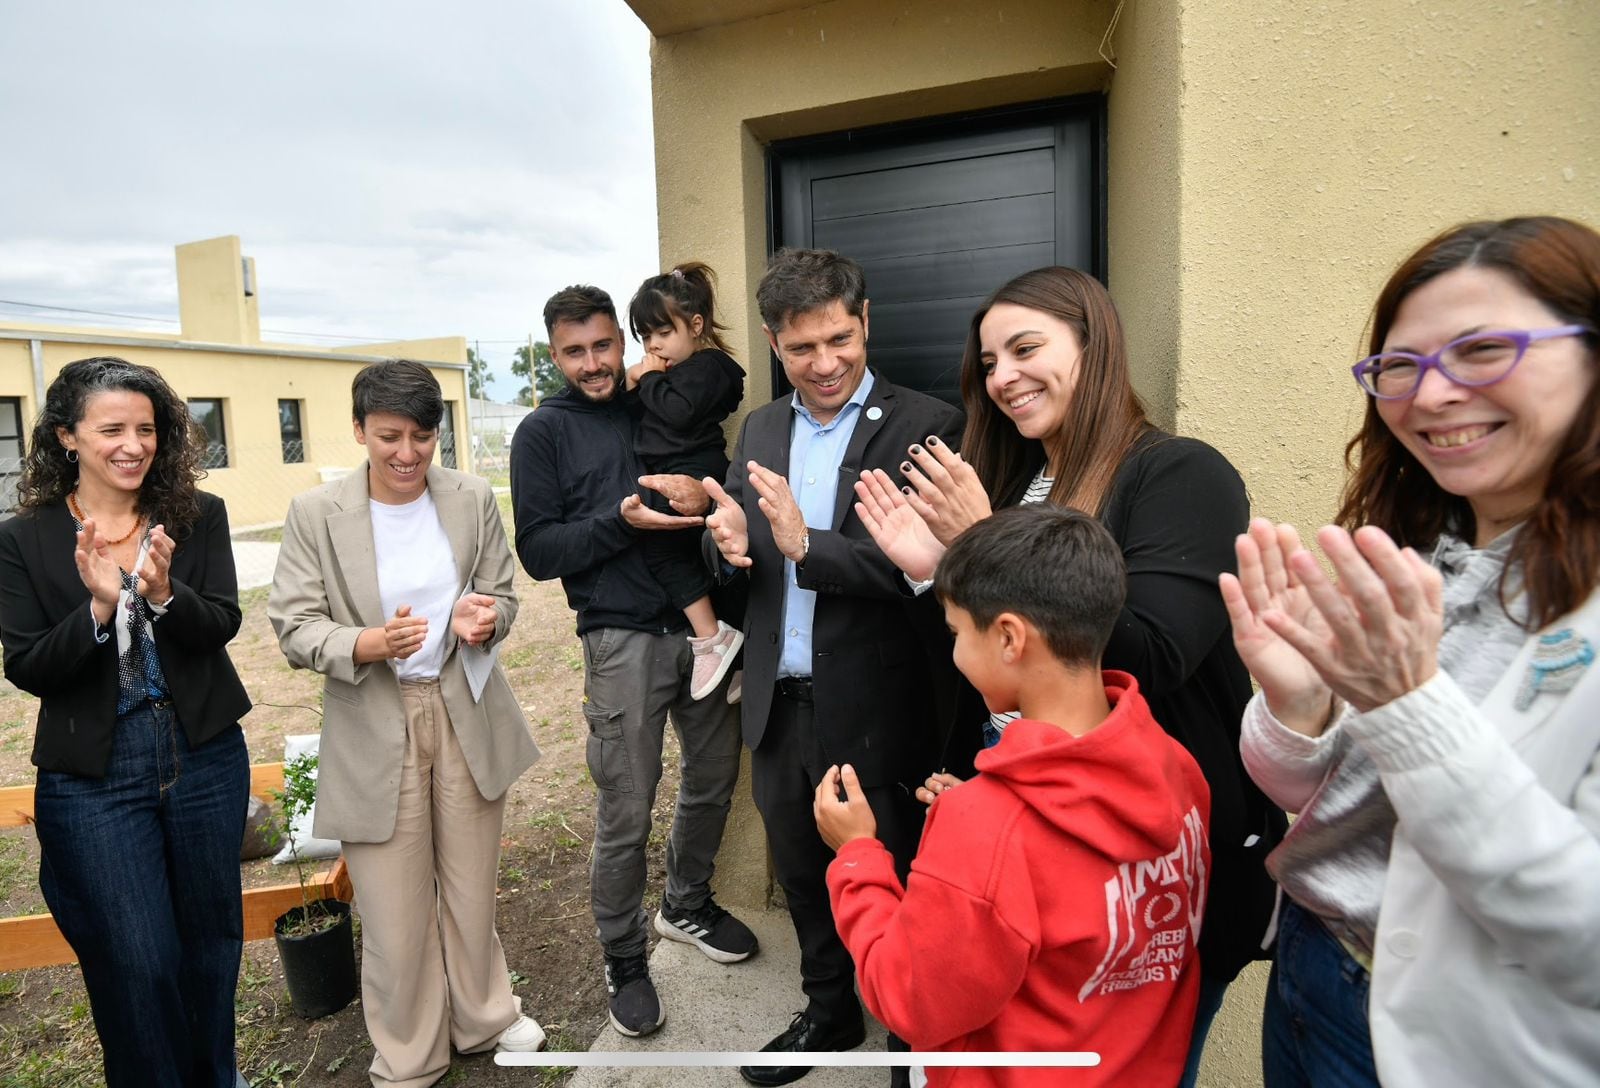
(1038, 491)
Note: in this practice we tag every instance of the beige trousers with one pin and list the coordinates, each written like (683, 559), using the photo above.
(432, 969)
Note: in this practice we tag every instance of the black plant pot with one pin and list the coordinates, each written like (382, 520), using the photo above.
(320, 968)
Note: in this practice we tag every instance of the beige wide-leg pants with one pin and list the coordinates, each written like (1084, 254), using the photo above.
(432, 969)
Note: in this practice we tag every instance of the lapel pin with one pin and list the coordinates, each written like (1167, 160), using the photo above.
(1559, 659)
(874, 412)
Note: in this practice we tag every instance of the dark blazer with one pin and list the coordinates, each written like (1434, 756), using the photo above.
(881, 669)
(50, 650)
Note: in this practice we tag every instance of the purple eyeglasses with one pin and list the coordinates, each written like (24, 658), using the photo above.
(1477, 359)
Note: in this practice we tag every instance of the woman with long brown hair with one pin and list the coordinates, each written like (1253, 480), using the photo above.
(117, 602)
(1436, 721)
(1052, 416)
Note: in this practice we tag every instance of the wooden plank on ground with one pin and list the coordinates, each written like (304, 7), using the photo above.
(16, 806)
(32, 941)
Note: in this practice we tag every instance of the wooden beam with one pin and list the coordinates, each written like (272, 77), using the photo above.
(34, 941)
(16, 806)
(16, 802)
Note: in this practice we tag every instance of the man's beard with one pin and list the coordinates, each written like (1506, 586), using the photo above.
(612, 390)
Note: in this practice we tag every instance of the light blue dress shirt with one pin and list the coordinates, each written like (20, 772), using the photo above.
(815, 453)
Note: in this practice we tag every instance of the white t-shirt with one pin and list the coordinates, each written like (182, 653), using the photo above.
(416, 567)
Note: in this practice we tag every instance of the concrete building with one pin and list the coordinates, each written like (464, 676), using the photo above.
(1242, 176)
(277, 415)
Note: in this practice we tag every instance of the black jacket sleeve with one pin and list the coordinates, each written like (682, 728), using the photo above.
(204, 612)
(43, 655)
(688, 393)
(1176, 507)
(549, 545)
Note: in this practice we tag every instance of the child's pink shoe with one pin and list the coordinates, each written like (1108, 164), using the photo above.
(713, 657)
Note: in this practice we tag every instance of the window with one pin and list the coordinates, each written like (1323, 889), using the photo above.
(447, 435)
(207, 413)
(10, 451)
(289, 432)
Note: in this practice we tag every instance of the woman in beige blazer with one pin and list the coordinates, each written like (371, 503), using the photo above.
(395, 583)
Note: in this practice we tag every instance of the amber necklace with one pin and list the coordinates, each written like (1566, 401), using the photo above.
(77, 512)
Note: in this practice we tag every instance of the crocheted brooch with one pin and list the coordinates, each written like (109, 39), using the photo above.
(1559, 659)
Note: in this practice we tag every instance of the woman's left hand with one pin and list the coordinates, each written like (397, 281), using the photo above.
(944, 490)
(155, 581)
(472, 619)
(1384, 617)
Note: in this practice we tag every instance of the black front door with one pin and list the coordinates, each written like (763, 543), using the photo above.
(939, 214)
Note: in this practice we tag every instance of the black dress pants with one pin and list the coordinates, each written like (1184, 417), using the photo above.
(785, 771)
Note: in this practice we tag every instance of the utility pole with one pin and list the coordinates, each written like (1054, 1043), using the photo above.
(533, 374)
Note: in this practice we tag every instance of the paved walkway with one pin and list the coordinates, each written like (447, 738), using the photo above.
(739, 1007)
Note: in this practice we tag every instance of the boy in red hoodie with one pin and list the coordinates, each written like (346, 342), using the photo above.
(1055, 899)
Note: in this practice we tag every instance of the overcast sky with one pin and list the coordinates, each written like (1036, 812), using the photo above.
(397, 169)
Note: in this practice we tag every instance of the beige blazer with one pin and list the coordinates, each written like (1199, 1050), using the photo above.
(325, 592)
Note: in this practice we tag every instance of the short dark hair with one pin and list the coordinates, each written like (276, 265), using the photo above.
(577, 303)
(798, 281)
(1057, 568)
(401, 386)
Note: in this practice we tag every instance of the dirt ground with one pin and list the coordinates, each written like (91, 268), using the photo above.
(47, 1037)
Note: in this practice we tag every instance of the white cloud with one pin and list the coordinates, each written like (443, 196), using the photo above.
(397, 169)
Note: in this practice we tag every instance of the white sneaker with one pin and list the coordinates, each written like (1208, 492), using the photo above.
(736, 687)
(713, 657)
(524, 1036)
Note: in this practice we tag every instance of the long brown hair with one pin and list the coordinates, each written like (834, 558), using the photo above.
(1557, 261)
(1103, 421)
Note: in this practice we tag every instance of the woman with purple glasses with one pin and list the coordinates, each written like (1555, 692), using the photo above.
(1433, 712)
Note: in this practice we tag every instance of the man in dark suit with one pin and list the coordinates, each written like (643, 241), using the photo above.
(840, 651)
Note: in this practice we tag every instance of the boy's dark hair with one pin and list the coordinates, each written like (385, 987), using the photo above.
(798, 281)
(686, 292)
(400, 386)
(1055, 567)
(578, 304)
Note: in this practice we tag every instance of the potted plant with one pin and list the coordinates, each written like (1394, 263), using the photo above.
(315, 940)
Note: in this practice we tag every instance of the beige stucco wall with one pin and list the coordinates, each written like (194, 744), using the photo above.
(1320, 145)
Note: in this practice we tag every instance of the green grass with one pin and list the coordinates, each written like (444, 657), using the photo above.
(15, 871)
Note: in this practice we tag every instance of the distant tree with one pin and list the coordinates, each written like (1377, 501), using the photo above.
(478, 376)
(540, 373)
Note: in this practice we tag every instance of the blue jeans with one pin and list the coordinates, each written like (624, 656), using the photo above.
(1314, 1031)
(141, 870)
(1212, 991)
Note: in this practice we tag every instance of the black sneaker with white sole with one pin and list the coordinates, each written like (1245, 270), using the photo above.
(709, 928)
(635, 1009)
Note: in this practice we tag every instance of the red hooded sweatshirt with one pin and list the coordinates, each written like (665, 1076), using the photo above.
(1054, 904)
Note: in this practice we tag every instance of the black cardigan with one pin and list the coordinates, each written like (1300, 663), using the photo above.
(684, 407)
(50, 650)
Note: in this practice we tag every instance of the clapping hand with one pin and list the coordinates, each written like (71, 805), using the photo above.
(945, 490)
(473, 618)
(729, 529)
(100, 574)
(155, 584)
(783, 513)
(899, 531)
(1368, 638)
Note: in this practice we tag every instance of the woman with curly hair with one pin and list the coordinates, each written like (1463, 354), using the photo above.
(117, 600)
